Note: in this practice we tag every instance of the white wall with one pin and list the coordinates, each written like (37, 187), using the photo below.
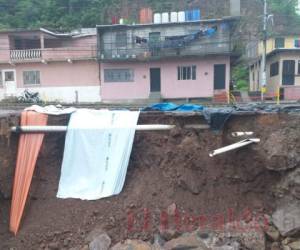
(65, 94)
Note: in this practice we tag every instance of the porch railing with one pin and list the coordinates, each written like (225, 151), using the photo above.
(26, 54)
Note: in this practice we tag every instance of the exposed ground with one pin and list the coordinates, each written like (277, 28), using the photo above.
(165, 168)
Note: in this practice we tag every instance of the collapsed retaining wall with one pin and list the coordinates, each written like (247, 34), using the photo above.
(166, 169)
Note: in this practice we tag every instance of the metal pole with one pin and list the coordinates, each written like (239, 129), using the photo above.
(264, 55)
(54, 129)
(233, 146)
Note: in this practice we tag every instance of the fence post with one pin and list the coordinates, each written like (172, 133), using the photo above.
(278, 95)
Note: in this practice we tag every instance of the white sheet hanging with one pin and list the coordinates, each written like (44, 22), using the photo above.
(97, 151)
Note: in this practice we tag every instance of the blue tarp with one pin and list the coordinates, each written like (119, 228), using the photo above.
(169, 106)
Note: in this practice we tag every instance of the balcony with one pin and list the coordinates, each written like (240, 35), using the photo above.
(26, 54)
(150, 52)
(53, 54)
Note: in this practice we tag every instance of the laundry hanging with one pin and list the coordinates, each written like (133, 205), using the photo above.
(28, 149)
(97, 151)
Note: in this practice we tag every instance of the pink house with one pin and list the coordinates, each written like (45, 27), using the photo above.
(60, 66)
(165, 60)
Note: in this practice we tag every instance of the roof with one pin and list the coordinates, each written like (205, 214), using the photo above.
(283, 50)
(75, 33)
(204, 21)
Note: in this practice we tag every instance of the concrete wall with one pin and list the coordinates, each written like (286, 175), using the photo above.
(171, 87)
(289, 44)
(216, 44)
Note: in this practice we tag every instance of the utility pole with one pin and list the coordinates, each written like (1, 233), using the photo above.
(264, 56)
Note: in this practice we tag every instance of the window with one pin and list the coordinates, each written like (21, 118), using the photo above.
(299, 67)
(186, 73)
(31, 77)
(1, 80)
(274, 69)
(279, 42)
(9, 76)
(118, 75)
(121, 39)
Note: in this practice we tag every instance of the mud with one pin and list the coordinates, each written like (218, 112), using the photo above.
(166, 168)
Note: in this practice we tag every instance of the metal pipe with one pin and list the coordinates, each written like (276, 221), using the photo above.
(52, 129)
(234, 146)
(238, 134)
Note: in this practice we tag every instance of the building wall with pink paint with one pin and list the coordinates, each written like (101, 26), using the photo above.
(171, 87)
(61, 67)
(59, 81)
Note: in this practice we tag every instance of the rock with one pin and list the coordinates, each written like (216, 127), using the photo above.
(189, 181)
(233, 246)
(295, 245)
(286, 248)
(101, 242)
(249, 234)
(272, 233)
(169, 234)
(93, 234)
(286, 218)
(53, 246)
(66, 242)
(132, 245)
(289, 185)
(158, 243)
(275, 246)
(187, 241)
(171, 210)
(281, 150)
(286, 241)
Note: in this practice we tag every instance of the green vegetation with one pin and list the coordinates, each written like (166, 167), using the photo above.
(240, 77)
(68, 14)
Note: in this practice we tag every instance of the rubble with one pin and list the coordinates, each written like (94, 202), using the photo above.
(286, 217)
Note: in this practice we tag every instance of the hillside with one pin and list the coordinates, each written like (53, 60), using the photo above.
(67, 14)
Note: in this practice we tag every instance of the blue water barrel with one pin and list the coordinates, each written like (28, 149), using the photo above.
(196, 15)
(188, 15)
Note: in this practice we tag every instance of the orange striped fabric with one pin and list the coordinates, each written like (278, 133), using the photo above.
(28, 150)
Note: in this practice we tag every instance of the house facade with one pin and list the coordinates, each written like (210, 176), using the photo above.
(60, 66)
(283, 67)
(166, 60)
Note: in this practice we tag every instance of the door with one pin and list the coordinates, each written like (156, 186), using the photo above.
(155, 79)
(219, 76)
(288, 72)
(9, 82)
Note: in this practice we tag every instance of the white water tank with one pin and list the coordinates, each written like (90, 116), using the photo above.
(174, 17)
(157, 18)
(181, 16)
(165, 17)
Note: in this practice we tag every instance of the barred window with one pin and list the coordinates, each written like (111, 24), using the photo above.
(186, 72)
(121, 39)
(118, 75)
(31, 77)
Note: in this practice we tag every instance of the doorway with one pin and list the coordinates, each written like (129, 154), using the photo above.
(9, 82)
(288, 72)
(219, 76)
(155, 80)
